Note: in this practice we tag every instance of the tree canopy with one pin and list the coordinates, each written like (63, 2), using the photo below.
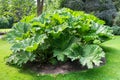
(17, 8)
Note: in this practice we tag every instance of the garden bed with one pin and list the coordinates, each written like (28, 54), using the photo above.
(2, 33)
(66, 67)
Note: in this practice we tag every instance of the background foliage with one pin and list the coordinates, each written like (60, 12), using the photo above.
(14, 10)
(117, 4)
(4, 22)
(52, 4)
(116, 24)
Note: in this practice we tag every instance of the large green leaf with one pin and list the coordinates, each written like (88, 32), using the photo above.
(29, 44)
(91, 56)
(90, 37)
(56, 31)
(21, 58)
(20, 31)
(102, 30)
(72, 51)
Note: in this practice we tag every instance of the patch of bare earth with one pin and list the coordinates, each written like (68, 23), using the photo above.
(59, 68)
(1, 34)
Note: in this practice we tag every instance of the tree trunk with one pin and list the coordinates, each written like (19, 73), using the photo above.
(39, 6)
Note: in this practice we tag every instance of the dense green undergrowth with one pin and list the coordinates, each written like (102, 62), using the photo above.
(110, 71)
(60, 35)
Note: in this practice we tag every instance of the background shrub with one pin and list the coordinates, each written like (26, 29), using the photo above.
(117, 4)
(10, 18)
(117, 19)
(7, 20)
(116, 25)
(4, 23)
(116, 30)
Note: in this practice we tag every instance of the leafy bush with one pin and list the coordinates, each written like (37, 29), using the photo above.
(7, 20)
(52, 4)
(116, 30)
(117, 4)
(59, 36)
(73, 4)
(116, 25)
(4, 23)
(117, 19)
(11, 21)
(10, 18)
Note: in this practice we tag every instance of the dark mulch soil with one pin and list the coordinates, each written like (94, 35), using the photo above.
(1, 33)
(59, 68)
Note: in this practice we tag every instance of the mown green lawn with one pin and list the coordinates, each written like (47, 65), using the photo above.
(110, 71)
(4, 30)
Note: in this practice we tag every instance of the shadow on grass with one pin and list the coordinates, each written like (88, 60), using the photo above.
(108, 49)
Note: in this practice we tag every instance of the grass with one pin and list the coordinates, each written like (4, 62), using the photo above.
(110, 71)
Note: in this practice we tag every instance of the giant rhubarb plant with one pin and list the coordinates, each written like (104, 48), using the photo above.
(60, 35)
